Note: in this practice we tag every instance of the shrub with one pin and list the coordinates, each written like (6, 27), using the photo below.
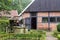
(58, 27)
(3, 18)
(3, 25)
(29, 36)
(56, 34)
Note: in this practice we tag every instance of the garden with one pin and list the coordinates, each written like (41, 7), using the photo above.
(30, 35)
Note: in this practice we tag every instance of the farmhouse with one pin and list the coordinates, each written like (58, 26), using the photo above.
(42, 14)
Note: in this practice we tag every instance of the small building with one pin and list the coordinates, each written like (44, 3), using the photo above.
(42, 14)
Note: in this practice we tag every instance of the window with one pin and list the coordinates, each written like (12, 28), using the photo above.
(58, 19)
(33, 13)
(45, 19)
(52, 19)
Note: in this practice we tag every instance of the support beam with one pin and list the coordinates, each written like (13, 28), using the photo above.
(49, 21)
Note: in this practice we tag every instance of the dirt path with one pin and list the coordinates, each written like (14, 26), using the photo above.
(49, 36)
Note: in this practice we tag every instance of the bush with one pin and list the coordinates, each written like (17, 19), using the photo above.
(3, 25)
(58, 27)
(3, 18)
(32, 35)
(56, 34)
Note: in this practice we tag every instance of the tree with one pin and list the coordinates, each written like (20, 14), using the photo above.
(18, 5)
(5, 4)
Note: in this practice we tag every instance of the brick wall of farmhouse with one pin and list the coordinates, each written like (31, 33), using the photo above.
(41, 25)
(26, 15)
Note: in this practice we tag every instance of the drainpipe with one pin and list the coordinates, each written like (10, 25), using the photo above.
(49, 21)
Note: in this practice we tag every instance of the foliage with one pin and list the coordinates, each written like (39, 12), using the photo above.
(3, 18)
(58, 27)
(29, 36)
(5, 4)
(18, 5)
(56, 34)
(21, 4)
(3, 25)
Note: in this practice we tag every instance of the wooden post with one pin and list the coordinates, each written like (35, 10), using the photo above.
(49, 21)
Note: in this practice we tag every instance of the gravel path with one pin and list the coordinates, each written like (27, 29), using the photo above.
(49, 36)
